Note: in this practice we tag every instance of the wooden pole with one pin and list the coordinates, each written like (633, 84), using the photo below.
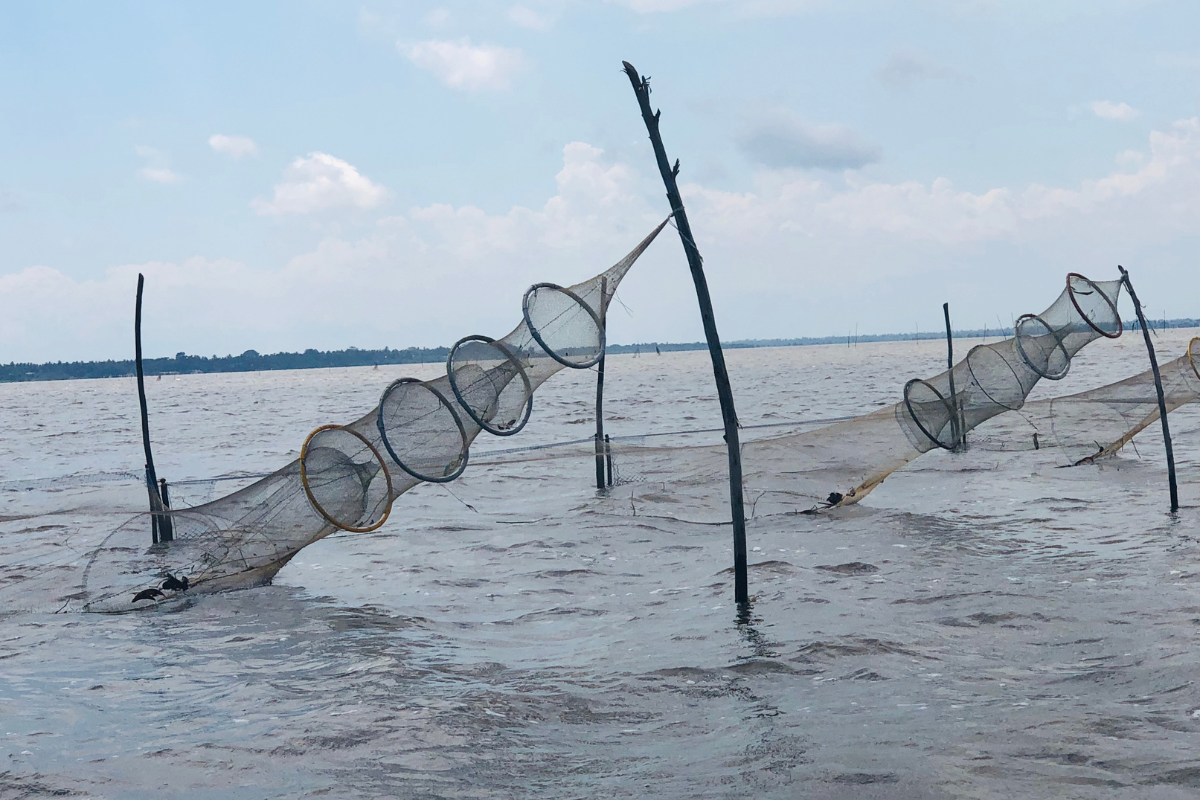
(600, 480)
(1162, 400)
(959, 421)
(608, 462)
(641, 87)
(160, 526)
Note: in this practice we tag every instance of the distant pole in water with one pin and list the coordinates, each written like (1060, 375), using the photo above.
(1162, 400)
(160, 525)
(600, 447)
(959, 423)
(641, 87)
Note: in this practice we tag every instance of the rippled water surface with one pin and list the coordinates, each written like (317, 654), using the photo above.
(985, 624)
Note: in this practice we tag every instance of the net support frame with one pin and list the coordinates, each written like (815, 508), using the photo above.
(312, 499)
(466, 405)
(465, 443)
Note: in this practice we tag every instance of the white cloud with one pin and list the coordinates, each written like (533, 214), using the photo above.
(904, 68)
(159, 175)
(233, 146)
(431, 275)
(1172, 169)
(157, 171)
(527, 18)
(1118, 112)
(320, 182)
(461, 65)
(1168, 179)
(780, 140)
(797, 254)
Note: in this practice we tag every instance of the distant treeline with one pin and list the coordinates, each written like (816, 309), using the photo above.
(251, 361)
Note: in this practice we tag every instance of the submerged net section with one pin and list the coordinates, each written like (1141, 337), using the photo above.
(348, 476)
(840, 464)
(1096, 424)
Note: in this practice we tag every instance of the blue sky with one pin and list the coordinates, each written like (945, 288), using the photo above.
(322, 174)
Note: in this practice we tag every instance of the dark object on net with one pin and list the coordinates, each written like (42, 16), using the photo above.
(173, 584)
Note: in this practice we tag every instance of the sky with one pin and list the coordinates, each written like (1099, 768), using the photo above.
(321, 174)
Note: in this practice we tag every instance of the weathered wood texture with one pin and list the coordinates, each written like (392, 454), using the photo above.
(641, 87)
(1162, 400)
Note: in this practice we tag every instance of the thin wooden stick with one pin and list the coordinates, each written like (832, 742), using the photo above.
(641, 87)
(1162, 400)
(160, 526)
(600, 481)
(960, 422)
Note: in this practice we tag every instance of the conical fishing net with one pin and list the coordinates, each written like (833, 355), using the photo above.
(841, 463)
(347, 477)
(1096, 424)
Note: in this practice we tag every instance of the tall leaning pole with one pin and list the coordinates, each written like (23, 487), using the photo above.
(1162, 400)
(160, 524)
(641, 87)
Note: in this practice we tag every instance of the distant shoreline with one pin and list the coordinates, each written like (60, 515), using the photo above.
(252, 361)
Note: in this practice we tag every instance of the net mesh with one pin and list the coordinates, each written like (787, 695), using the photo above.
(345, 479)
(841, 463)
(1098, 423)
(422, 431)
(348, 476)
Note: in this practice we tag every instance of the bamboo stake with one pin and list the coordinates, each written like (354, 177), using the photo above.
(600, 481)
(960, 423)
(1162, 400)
(160, 526)
(641, 87)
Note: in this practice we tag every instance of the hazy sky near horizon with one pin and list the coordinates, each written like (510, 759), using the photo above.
(325, 174)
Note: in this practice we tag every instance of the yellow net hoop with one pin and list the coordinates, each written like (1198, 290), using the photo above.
(312, 498)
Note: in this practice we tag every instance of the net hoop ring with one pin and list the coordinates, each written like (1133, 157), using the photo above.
(313, 500)
(1193, 355)
(950, 409)
(516, 362)
(1107, 299)
(538, 336)
(1058, 345)
(464, 451)
(980, 384)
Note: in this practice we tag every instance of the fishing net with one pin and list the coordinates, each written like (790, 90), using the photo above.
(1096, 424)
(348, 476)
(430, 441)
(840, 464)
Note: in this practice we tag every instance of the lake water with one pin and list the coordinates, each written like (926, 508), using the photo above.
(984, 625)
